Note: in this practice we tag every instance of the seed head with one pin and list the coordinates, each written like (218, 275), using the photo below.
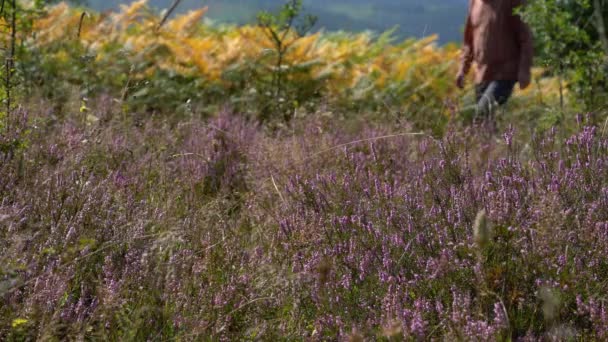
(392, 329)
(551, 303)
(323, 269)
(356, 336)
(482, 231)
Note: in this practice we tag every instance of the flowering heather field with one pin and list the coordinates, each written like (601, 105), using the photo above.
(139, 228)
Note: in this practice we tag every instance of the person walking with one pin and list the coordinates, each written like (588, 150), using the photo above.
(500, 44)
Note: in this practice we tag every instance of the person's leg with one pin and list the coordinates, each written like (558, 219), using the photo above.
(480, 89)
(503, 91)
(491, 95)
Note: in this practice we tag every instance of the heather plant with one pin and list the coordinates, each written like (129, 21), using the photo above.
(377, 243)
(86, 253)
(141, 198)
(217, 229)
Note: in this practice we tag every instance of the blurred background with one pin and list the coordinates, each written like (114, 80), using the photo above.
(410, 18)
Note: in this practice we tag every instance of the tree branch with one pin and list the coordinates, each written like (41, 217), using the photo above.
(600, 25)
(169, 11)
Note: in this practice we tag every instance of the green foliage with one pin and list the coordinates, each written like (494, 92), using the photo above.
(17, 19)
(283, 29)
(568, 42)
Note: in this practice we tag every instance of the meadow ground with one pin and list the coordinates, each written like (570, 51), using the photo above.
(153, 229)
(178, 181)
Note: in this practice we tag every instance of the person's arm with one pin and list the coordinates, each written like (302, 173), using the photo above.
(526, 49)
(466, 57)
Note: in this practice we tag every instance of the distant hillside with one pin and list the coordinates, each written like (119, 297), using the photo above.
(413, 18)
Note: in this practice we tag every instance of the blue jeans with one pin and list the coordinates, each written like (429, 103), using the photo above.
(490, 95)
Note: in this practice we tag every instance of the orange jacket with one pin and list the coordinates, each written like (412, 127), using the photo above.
(497, 40)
